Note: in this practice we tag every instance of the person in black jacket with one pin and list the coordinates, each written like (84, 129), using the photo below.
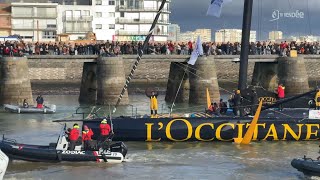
(40, 102)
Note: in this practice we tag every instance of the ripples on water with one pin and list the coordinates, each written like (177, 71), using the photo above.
(168, 160)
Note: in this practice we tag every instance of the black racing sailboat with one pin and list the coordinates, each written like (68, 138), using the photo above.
(290, 124)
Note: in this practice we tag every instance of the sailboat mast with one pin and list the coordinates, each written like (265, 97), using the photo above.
(245, 44)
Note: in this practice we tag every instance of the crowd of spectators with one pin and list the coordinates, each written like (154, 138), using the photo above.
(111, 48)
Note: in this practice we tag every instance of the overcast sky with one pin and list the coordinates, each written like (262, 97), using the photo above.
(191, 14)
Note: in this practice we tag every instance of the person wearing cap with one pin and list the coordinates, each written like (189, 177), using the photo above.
(104, 131)
(74, 136)
(39, 101)
(87, 137)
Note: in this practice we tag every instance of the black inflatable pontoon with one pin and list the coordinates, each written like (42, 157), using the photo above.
(307, 165)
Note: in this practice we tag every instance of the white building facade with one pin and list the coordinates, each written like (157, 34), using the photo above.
(34, 21)
(134, 19)
(233, 35)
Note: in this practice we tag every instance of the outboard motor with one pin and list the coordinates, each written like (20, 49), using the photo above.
(119, 147)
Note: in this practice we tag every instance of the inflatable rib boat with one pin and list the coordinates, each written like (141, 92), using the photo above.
(307, 165)
(19, 109)
(57, 152)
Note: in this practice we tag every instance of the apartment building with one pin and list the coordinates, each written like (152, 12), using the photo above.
(232, 35)
(34, 21)
(205, 35)
(275, 35)
(5, 19)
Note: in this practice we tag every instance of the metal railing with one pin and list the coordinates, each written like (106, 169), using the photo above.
(23, 27)
(139, 21)
(76, 30)
(78, 18)
(123, 8)
(41, 15)
(126, 32)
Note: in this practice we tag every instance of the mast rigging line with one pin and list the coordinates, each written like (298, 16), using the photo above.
(144, 46)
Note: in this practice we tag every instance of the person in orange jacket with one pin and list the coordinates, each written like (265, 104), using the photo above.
(87, 137)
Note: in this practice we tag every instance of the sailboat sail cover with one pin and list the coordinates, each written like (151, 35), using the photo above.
(215, 7)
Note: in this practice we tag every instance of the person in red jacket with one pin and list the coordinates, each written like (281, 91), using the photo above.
(87, 137)
(104, 132)
(281, 95)
(74, 136)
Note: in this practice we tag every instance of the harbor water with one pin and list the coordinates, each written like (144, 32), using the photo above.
(165, 160)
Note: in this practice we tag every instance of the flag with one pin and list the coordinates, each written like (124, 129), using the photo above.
(197, 51)
(215, 7)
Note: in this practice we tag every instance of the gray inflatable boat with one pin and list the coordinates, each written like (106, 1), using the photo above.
(19, 109)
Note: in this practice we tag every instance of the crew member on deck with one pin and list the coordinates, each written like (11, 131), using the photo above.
(87, 137)
(104, 133)
(317, 99)
(25, 103)
(281, 96)
(223, 107)
(254, 102)
(237, 103)
(214, 109)
(154, 104)
(74, 136)
(39, 101)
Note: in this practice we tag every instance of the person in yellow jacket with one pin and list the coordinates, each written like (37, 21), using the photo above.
(153, 104)
(317, 99)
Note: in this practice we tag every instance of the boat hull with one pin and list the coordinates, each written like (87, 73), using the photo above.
(307, 166)
(19, 109)
(209, 129)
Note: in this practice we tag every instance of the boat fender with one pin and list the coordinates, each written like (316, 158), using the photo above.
(104, 157)
(59, 155)
(45, 110)
(19, 110)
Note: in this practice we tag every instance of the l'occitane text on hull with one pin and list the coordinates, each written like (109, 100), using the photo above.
(186, 130)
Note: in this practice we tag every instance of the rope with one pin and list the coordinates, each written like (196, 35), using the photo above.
(177, 92)
(140, 55)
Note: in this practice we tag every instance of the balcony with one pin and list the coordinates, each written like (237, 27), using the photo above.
(131, 33)
(76, 30)
(139, 21)
(39, 16)
(140, 9)
(41, 27)
(77, 19)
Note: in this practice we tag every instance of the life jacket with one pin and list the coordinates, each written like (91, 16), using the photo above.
(317, 98)
(211, 108)
(281, 91)
(86, 135)
(74, 134)
(104, 129)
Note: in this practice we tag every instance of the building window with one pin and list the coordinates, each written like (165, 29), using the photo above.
(121, 2)
(49, 35)
(51, 26)
(98, 26)
(98, 14)
(111, 14)
(121, 14)
(111, 26)
(111, 2)
(98, 2)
